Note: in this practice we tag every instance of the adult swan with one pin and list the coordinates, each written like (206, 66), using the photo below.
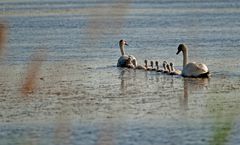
(192, 69)
(123, 61)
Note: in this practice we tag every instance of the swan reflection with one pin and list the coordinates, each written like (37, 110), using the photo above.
(126, 76)
(132, 82)
(191, 85)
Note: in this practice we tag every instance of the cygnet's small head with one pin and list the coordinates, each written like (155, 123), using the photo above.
(145, 61)
(134, 62)
(156, 63)
(151, 62)
(171, 66)
(181, 47)
(164, 64)
(129, 60)
(123, 42)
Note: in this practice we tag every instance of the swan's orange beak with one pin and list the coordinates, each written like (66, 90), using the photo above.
(126, 43)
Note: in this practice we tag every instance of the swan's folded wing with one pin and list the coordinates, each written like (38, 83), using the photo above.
(122, 61)
(194, 69)
(202, 66)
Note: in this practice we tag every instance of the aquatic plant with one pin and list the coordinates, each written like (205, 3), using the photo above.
(224, 113)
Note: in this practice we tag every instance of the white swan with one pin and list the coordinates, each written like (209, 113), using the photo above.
(192, 69)
(122, 61)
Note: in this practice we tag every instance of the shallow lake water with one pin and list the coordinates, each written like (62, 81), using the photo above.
(81, 97)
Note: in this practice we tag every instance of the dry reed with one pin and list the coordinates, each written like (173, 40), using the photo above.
(30, 83)
(3, 37)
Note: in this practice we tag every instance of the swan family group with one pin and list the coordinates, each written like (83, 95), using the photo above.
(190, 69)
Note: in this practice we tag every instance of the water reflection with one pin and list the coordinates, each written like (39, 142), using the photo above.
(190, 86)
(168, 92)
(126, 76)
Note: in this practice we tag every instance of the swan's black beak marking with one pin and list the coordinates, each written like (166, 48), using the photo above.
(178, 52)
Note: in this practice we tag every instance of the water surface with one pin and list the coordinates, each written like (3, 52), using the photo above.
(83, 98)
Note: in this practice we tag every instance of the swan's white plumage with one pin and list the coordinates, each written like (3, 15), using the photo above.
(192, 69)
(123, 61)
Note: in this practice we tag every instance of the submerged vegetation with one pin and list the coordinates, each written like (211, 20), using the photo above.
(225, 116)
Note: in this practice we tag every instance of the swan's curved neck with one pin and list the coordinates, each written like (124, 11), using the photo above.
(185, 56)
(122, 49)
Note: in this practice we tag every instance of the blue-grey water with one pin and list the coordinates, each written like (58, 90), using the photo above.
(81, 97)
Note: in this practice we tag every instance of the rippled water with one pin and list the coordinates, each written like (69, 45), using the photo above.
(81, 97)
